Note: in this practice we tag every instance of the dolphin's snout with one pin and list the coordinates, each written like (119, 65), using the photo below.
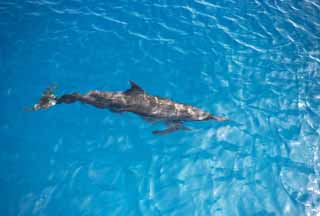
(217, 118)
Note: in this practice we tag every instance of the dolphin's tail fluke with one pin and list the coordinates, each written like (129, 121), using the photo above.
(47, 100)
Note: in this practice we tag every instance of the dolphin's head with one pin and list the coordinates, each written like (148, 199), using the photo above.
(204, 116)
(196, 114)
(216, 118)
(200, 115)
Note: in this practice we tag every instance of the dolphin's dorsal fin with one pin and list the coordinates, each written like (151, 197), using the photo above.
(134, 88)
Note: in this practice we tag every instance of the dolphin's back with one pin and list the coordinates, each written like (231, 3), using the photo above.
(158, 107)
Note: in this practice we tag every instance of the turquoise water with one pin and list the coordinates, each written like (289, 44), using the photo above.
(256, 62)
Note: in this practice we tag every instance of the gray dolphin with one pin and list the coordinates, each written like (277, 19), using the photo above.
(135, 100)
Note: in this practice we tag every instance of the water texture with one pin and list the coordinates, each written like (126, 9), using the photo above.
(256, 62)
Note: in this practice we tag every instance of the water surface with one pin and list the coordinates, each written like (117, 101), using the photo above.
(256, 62)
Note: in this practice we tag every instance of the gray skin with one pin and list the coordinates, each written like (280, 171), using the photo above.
(135, 100)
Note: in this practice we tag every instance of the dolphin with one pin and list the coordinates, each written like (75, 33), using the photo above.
(135, 100)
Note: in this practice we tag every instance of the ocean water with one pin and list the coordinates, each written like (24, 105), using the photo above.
(255, 62)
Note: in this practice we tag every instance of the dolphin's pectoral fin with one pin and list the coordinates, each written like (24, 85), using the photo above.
(165, 131)
(185, 128)
(172, 127)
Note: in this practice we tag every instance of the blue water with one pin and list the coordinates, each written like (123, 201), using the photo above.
(255, 62)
